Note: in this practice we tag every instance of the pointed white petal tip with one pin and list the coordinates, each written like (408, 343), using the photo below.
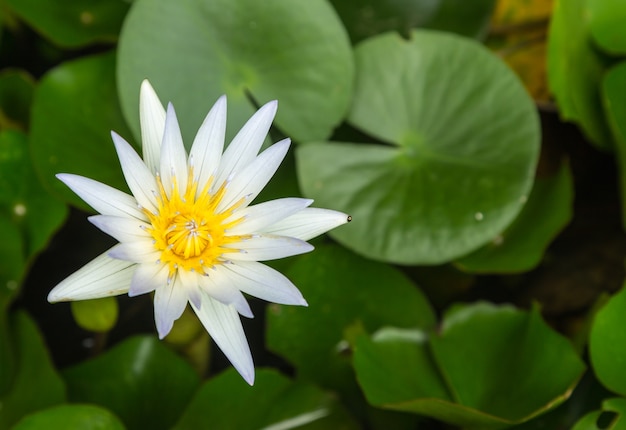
(101, 277)
(146, 86)
(248, 377)
(268, 110)
(54, 297)
(164, 328)
(285, 142)
(272, 104)
(70, 179)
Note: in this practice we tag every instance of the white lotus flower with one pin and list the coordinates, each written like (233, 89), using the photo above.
(188, 232)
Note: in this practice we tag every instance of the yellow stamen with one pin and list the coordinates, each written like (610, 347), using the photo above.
(188, 230)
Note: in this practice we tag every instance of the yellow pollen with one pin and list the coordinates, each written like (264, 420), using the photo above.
(188, 230)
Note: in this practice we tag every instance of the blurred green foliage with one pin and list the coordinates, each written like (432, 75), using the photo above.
(404, 116)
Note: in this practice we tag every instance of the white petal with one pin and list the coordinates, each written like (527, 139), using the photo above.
(123, 229)
(173, 155)
(206, 151)
(103, 198)
(267, 247)
(220, 288)
(247, 143)
(251, 180)
(101, 277)
(170, 301)
(139, 251)
(257, 217)
(262, 281)
(190, 281)
(223, 324)
(152, 120)
(139, 179)
(308, 223)
(148, 277)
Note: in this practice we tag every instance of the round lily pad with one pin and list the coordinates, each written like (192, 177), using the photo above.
(74, 110)
(73, 24)
(607, 344)
(606, 23)
(99, 315)
(458, 146)
(252, 51)
(86, 417)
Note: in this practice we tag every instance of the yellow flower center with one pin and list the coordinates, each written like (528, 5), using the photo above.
(188, 230)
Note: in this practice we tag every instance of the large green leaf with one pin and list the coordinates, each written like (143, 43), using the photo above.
(74, 110)
(607, 344)
(463, 140)
(273, 402)
(145, 384)
(16, 93)
(63, 417)
(341, 289)
(613, 90)
(367, 18)
(35, 213)
(575, 70)
(28, 218)
(252, 51)
(487, 367)
(606, 24)
(35, 383)
(522, 245)
(75, 23)
(463, 17)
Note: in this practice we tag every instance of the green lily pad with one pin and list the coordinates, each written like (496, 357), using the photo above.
(74, 110)
(73, 24)
(252, 51)
(16, 93)
(23, 199)
(367, 18)
(613, 90)
(34, 382)
(371, 293)
(618, 421)
(575, 70)
(145, 384)
(521, 246)
(29, 216)
(273, 402)
(84, 417)
(606, 24)
(462, 140)
(488, 367)
(607, 344)
(463, 17)
(589, 422)
(12, 265)
(99, 315)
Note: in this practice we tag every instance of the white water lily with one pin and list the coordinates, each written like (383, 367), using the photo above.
(189, 233)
